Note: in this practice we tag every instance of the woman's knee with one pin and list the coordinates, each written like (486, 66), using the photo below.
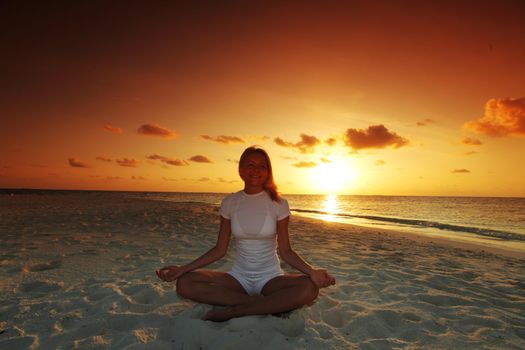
(310, 291)
(184, 285)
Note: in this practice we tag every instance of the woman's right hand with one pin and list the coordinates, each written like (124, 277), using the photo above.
(169, 273)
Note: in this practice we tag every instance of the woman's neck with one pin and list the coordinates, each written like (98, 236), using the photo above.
(253, 190)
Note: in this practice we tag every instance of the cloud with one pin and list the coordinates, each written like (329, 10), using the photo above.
(306, 145)
(331, 141)
(155, 130)
(104, 159)
(325, 160)
(380, 162)
(470, 153)
(224, 139)
(424, 122)
(220, 179)
(200, 159)
(75, 163)
(111, 178)
(469, 141)
(460, 171)
(305, 165)
(168, 179)
(375, 136)
(204, 179)
(112, 129)
(502, 117)
(138, 178)
(236, 161)
(132, 163)
(169, 161)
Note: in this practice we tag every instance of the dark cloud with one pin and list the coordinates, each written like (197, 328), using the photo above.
(155, 130)
(132, 163)
(113, 129)
(375, 136)
(471, 141)
(223, 139)
(74, 162)
(424, 122)
(104, 159)
(305, 165)
(169, 161)
(460, 171)
(306, 145)
(200, 159)
(502, 117)
(331, 141)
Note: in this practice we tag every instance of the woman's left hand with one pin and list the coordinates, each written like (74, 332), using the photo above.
(322, 278)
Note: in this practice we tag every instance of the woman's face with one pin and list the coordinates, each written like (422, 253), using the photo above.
(254, 170)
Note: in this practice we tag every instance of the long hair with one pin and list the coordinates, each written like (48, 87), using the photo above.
(269, 186)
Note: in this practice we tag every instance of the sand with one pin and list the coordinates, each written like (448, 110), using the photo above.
(81, 276)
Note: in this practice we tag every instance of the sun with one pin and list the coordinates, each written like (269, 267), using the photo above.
(333, 177)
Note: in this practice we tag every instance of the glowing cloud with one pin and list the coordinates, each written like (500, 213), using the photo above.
(469, 141)
(132, 163)
(375, 136)
(113, 129)
(306, 145)
(155, 130)
(460, 171)
(200, 159)
(502, 117)
(104, 159)
(75, 163)
(169, 161)
(305, 165)
(331, 141)
(223, 139)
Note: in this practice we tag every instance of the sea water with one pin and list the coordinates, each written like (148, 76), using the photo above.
(492, 220)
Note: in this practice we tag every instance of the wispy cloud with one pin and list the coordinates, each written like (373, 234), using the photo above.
(470, 153)
(156, 130)
(375, 136)
(380, 162)
(169, 161)
(220, 179)
(112, 129)
(460, 171)
(128, 162)
(502, 117)
(76, 163)
(200, 159)
(325, 160)
(425, 122)
(204, 179)
(138, 178)
(104, 159)
(306, 145)
(223, 139)
(113, 178)
(469, 141)
(305, 165)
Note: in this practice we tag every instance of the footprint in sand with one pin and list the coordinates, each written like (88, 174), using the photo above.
(42, 266)
(39, 287)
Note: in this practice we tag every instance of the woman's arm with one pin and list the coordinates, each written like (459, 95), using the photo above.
(320, 276)
(171, 273)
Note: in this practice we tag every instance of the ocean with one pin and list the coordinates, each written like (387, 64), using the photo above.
(484, 219)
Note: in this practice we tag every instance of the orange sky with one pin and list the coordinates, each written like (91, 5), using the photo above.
(418, 99)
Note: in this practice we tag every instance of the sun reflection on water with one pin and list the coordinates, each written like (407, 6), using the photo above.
(330, 207)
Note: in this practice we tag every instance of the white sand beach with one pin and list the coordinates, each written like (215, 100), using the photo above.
(80, 275)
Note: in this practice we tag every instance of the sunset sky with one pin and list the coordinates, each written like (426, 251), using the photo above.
(348, 97)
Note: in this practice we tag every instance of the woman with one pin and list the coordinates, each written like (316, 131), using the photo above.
(256, 284)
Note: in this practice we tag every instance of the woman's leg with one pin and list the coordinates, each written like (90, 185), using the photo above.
(282, 293)
(211, 287)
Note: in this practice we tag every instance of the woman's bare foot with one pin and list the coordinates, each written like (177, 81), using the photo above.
(219, 315)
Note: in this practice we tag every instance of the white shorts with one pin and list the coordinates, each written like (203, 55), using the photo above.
(253, 284)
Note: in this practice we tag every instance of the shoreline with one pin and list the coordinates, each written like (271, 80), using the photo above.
(470, 242)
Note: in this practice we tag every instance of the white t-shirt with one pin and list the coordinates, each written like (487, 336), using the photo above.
(253, 220)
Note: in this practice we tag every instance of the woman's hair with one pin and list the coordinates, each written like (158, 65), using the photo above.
(269, 186)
